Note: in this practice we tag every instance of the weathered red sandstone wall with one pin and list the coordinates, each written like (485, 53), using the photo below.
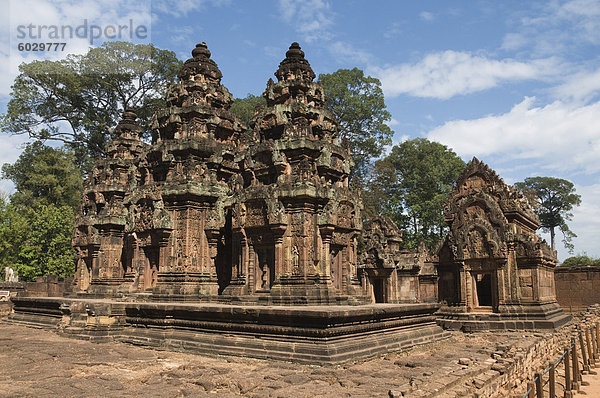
(577, 287)
(47, 286)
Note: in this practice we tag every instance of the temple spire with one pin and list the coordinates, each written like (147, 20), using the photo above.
(200, 64)
(294, 66)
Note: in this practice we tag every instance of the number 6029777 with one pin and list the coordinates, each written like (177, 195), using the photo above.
(41, 46)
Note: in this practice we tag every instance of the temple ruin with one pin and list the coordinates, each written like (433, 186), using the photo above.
(494, 271)
(204, 213)
(223, 238)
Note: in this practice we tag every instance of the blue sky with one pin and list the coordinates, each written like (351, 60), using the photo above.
(514, 83)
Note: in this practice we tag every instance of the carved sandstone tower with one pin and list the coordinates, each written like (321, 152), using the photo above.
(195, 140)
(494, 271)
(100, 236)
(295, 221)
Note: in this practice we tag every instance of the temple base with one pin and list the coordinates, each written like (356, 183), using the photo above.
(526, 316)
(306, 334)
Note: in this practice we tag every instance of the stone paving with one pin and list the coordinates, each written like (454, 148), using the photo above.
(40, 363)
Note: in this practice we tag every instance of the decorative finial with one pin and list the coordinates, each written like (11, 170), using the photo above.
(295, 51)
(295, 66)
(201, 50)
(129, 115)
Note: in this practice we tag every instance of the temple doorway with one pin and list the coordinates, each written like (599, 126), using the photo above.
(379, 290)
(265, 268)
(224, 259)
(336, 268)
(484, 291)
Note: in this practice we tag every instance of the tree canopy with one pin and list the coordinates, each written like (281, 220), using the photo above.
(358, 103)
(580, 261)
(553, 200)
(36, 225)
(381, 193)
(244, 107)
(44, 175)
(78, 99)
(425, 172)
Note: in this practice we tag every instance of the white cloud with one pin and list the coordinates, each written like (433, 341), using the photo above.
(181, 8)
(311, 18)
(562, 137)
(513, 41)
(395, 29)
(347, 52)
(557, 27)
(581, 86)
(426, 16)
(181, 33)
(44, 14)
(446, 74)
(586, 222)
(392, 122)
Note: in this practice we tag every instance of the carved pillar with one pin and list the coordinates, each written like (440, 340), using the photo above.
(212, 238)
(353, 262)
(164, 257)
(326, 235)
(464, 286)
(251, 267)
(279, 258)
(474, 299)
(244, 259)
(535, 283)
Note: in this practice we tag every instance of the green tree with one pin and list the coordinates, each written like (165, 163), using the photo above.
(244, 107)
(580, 261)
(77, 100)
(381, 194)
(44, 175)
(358, 104)
(554, 198)
(426, 172)
(46, 247)
(36, 227)
(13, 230)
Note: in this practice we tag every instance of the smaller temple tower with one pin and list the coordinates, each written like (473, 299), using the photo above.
(494, 271)
(390, 273)
(100, 238)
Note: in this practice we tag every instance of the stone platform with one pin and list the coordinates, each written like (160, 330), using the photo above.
(537, 316)
(306, 334)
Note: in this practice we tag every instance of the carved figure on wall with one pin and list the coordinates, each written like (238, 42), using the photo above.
(295, 259)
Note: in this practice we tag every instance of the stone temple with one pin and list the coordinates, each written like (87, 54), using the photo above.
(206, 213)
(494, 271)
(222, 238)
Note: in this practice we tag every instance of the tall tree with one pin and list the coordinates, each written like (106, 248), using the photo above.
(36, 227)
(45, 248)
(426, 172)
(78, 99)
(44, 175)
(358, 103)
(554, 198)
(381, 194)
(13, 229)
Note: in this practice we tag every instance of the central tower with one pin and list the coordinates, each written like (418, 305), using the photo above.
(295, 220)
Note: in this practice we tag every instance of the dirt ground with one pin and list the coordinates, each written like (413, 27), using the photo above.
(40, 363)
